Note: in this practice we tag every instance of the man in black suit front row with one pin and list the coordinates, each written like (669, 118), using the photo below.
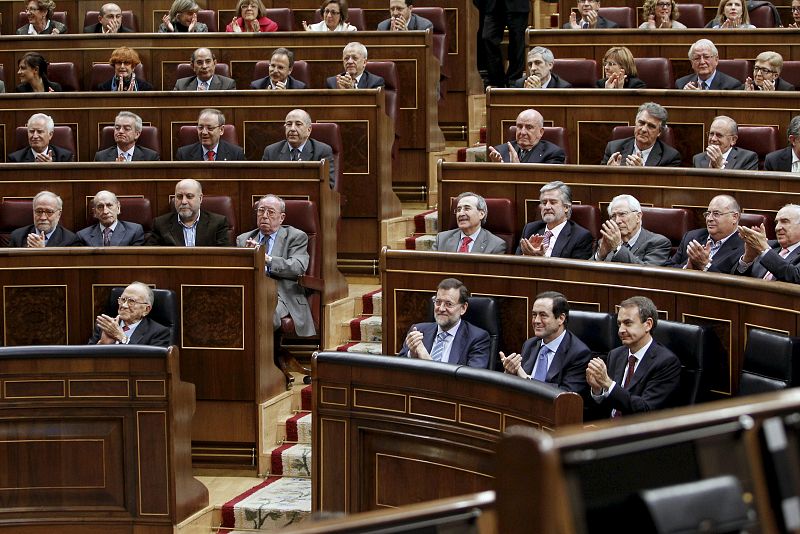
(529, 147)
(210, 145)
(298, 145)
(189, 227)
(131, 325)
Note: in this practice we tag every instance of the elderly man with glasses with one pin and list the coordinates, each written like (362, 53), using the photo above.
(470, 236)
(704, 58)
(624, 240)
(721, 152)
(131, 325)
(210, 145)
(45, 230)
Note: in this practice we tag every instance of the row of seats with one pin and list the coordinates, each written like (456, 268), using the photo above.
(691, 15)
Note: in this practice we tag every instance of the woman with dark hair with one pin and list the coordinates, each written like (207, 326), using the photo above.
(619, 70)
(124, 60)
(334, 18)
(32, 74)
(182, 18)
(40, 19)
(251, 16)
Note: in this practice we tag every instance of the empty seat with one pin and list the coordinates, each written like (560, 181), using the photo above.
(283, 17)
(757, 219)
(64, 74)
(598, 330)
(388, 71)
(578, 72)
(14, 213)
(132, 209)
(501, 220)
(770, 362)
(554, 134)
(187, 135)
(185, 70)
(330, 134)
(102, 72)
(623, 16)
(209, 18)
(760, 139)
(441, 41)
(692, 15)
(655, 72)
(738, 68)
(623, 132)
(128, 19)
(672, 223)
(587, 216)
(63, 136)
(300, 71)
(148, 138)
(692, 344)
(762, 17)
(222, 205)
(791, 72)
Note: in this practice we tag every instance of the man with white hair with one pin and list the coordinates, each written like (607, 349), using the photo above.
(109, 230)
(540, 71)
(704, 58)
(39, 149)
(127, 129)
(773, 260)
(45, 230)
(624, 240)
(354, 59)
(131, 325)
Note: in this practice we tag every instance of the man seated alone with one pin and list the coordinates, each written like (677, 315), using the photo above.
(109, 230)
(773, 260)
(205, 78)
(127, 129)
(644, 148)
(281, 64)
(470, 236)
(210, 145)
(721, 152)
(529, 146)
(45, 230)
(299, 146)
(449, 339)
(189, 227)
(39, 149)
(131, 325)
(540, 71)
(643, 374)
(554, 355)
(109, 20)
(624, 240)
(401, 18)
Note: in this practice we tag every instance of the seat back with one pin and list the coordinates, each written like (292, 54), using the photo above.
(64, 74)
(164, 310)
(222, 205)
(330, 134)
(623, 16)
(14, 213)
(692, 15)
(578, 72)
(300, 71)
(58, 16)
(623, 132)
(128, 19)
(738, 68)
(63, 136)
(209, 18)
(791, 72)
(691, 344)
(769, 362)
(187, 135)
(283, 17)
(132, 209)
(483, 312)
(762, 17)
(388, 71)
(185, 70)
(554, 134)
(355, 16)
(441, 40)
(102, 72)
(149, 138)
(598, 330)
(672, 223)
(587, 216)
(760, 139)
(303, 215)
(655, 72)
(757, 219)
(501, 220)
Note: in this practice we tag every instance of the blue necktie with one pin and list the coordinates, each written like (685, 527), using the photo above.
(541, 364)
(438, 347)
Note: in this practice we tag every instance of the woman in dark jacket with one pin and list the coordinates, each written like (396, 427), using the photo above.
(32, 74)
(619, 70)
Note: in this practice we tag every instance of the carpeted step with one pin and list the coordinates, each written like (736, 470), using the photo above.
(372, 302)
(293, 460)
(420, 242)
(274, 504)
(366, 328)
(426, 222)
(361, 348)
(298, 428)
(305, 398)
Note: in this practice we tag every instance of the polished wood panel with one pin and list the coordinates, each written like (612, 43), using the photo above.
(84, 461)
(383, 423)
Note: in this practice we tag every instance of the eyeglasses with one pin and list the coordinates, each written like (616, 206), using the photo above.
(204, 128)
(331, 12)
(664, 4)
(704, 57)
(438, 303)
(715, 214)
(763, 70)
(611, 64)
(33, 9)
(714, 135)
(39, 212)
(129, 301)
(796, 9)
(269, 211)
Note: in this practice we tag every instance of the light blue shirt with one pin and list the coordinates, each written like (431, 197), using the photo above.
(448, 342)
(189, 232)
(552, 347)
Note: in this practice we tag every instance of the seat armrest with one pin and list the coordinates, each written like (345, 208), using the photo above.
(311, 282)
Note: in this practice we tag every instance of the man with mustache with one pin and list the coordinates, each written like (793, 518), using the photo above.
(470, 236)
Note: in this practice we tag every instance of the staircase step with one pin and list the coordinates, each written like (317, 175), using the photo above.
(361, 348)
(292, 460)
(274, 504)
(366, 328)
(372, 302)
(298, 428)
(305, 398)
(426, 222)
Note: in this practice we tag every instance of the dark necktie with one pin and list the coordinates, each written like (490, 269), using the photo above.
(107, 236)
(704, 85)
(631, 366)
(295, 154)
(523, 154)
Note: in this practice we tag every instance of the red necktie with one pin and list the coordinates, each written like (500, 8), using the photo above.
(210, 155)
(465, 241)
(783, 253)
(631, 366)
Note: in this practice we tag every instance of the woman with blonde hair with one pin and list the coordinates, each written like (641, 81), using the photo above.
(334, 18)
(619, 70)
(660, 14)
(731, 14)
(40, 19)
(251, 16)
(182, 18)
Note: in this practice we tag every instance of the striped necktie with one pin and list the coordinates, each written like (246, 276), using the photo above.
(438, 347)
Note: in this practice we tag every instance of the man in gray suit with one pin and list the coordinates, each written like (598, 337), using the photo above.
(298, 145)
(210, 145)
(773, 260)
(110, 231)
(625, 241)
(127, 129)
(286, 250)
(470, 236)
(204, 64)
(721, 152)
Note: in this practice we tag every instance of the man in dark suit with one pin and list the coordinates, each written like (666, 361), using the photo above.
(354, 58)
(211, 146)
(127, 129)
(624, 240)
(470, 236)
(131, 325)
(554, 355)
(109, 20)
(110, 231)
(642, 375)
(529, 146)
(189, 227)
(644, 148)
(45, 230)
(590, 19)
(721, 152)
(717, 247)
(204, 64)
(402, 19)
(449, 339)
(298, 145)
(704, 58)
(39, 149)
(560, 237)
(773, 260)
(786, 159)
(540, 71)
(281, 64)
(502, 14)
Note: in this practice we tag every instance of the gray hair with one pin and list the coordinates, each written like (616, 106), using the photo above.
(794, 127)
(733, 204)
(270, 196)
(358, 47)
(794, 208)
(633, 204)
(217, 113)
(148, 292)
(562, 188)
(732, 126)
(42, 194)
(196, 50)
(94, 198)
(303, 113)
(481, 203)
(103, 8)
(656, 110)
(281, 51)
(546, 54)
(48, 121)
(706, 43)
(137, 120)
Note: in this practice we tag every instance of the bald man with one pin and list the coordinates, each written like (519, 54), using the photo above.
(109, 20)
(189, 227)
(721, 152)
(298, 145)
(529, 146)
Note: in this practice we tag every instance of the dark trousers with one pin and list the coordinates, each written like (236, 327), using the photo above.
(495, 22)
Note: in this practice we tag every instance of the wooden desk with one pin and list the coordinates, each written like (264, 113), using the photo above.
(589, 126)
(94, 438)
(382, 424)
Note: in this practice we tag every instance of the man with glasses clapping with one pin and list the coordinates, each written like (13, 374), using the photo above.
(210, 146)
(131, 325)
(45, 230)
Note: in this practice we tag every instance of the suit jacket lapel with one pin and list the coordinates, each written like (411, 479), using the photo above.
(140, 331)
(480, 243)
(561, 241)
(176, 229)
(558, 357)
(654, 158)
(457, 347)
(307, 154)
(117, 235)
(531, 363)
(279, 247)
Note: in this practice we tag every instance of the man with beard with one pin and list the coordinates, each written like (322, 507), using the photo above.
(131, 325)
(189, 227)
